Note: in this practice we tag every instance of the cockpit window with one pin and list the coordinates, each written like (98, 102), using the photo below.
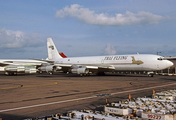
(160, 58)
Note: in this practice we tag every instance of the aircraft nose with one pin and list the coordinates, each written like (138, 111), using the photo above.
(169, 63)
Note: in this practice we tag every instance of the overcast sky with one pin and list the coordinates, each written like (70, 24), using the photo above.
(87, 27)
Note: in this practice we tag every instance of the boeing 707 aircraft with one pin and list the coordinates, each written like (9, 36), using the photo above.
(14, 66)
(146, 63)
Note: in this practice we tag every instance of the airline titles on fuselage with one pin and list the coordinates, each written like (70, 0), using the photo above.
(116, 58)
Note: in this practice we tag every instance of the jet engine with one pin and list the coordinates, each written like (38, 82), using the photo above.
(31, 70)
(80, 71)
(48, 68)
(15, 69)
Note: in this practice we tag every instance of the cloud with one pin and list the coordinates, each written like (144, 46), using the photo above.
(109, 50)
(18, 44)
(18, 39)
(103, 19)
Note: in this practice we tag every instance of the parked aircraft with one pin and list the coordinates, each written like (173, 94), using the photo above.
(146, 63)
(14, 66)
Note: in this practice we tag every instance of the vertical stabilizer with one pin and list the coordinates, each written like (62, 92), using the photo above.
(52, 50)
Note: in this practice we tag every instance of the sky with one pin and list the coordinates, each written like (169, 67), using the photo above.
(87, 27)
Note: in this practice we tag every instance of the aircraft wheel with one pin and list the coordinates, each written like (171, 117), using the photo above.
(100, 73)
(7, 73)
(50, 73)
(15, 73)
(39, 72)
(150, 75)
(87, 74)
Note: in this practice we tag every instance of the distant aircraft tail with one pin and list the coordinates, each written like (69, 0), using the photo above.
(52, 50)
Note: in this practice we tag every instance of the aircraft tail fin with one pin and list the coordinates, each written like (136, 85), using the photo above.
(52, 50)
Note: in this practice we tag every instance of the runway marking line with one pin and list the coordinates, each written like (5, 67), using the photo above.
(71, 100)
(21, 86)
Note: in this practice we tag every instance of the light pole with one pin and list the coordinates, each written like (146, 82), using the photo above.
(158, 52)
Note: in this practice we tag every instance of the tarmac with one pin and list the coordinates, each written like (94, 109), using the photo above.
(33, 95)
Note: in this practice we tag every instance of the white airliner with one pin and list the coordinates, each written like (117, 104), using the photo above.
(146, 63)
(14, 66)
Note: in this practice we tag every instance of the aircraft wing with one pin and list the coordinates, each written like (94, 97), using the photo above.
(64, 65)
(2, 64)
(85, 66)
(100, 68)
(46, 61)
(21, 62)
(6, 62)
(108, 67)
(91, 68)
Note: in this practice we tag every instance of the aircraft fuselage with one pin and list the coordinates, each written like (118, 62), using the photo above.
(136, 62)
